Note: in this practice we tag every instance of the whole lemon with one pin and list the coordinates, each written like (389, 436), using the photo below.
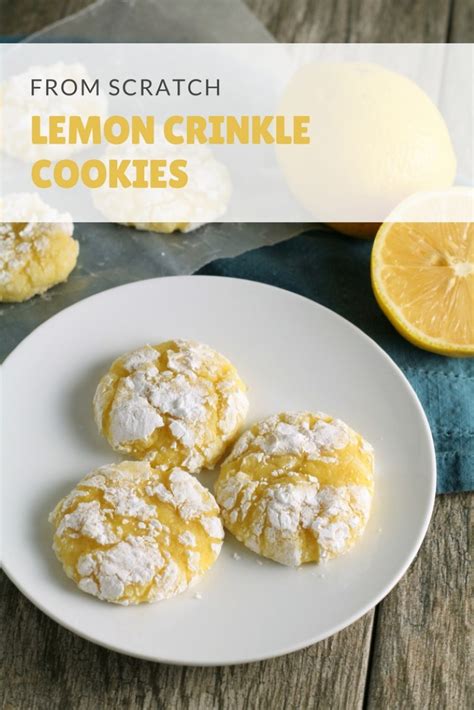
(375, 138)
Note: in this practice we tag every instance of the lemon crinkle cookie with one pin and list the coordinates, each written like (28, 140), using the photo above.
(204, 198)
(37, 249)
(130, 534)
(297, 487)
(177, 404)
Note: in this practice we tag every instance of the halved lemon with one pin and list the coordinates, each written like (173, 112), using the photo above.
(423, 270)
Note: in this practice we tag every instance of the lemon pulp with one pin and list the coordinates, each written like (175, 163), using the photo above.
(423, 279)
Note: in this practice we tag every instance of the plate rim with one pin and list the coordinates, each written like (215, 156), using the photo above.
(306, 642)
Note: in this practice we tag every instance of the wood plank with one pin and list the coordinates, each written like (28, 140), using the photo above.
(420, 654)
(303, 20)
(355, 20)
(461, 21)
(402, 21)
(22, 17)
(45, 666)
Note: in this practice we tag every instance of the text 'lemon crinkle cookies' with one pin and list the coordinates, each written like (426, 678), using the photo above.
(176, 404)
(37, 250)
(297, 487)
(130, 534)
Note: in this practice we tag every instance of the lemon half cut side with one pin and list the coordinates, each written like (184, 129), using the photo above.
(422, 270)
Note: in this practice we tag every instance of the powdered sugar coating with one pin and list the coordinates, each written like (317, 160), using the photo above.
(297, 487)
(177, 404)
(37, 250)
(129, 533)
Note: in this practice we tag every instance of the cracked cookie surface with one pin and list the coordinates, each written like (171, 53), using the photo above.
(297, 487)
(130, 534)
(179, 403)
(37, 249)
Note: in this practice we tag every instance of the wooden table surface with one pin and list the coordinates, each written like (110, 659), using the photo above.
(409, 652)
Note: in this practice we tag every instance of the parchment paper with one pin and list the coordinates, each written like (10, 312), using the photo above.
(111, 255)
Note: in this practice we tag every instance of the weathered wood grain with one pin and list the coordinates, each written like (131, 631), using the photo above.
(45, 666)
(401, 21)
(357, 20)
(420, 656)
(417, 657)
(303, 20)
(461, 21)
(22, 17)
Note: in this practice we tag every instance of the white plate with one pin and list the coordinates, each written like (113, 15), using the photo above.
(294, 354)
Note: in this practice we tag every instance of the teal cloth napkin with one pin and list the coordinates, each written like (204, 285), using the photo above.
(335, 271)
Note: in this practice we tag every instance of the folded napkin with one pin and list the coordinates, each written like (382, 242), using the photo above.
(335, 271)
